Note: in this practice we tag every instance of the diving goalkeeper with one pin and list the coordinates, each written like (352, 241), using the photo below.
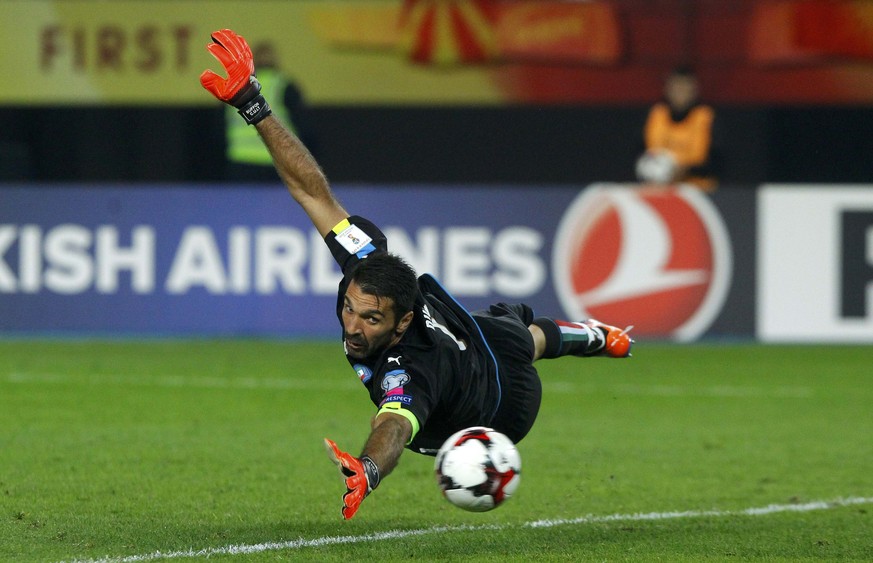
(430, 366)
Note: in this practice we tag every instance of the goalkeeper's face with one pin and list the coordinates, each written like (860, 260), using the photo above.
(369, 323)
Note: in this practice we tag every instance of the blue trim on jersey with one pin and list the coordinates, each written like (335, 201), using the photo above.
(366, 251)
(482, 338)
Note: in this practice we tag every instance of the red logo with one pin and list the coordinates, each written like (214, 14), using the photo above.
(655, 258)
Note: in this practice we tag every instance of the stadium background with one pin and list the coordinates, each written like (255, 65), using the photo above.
(545, 98)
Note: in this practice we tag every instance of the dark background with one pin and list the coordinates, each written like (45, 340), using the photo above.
(517, 145)
(550, 143)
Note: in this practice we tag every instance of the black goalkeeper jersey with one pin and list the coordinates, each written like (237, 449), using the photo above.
(441, 371)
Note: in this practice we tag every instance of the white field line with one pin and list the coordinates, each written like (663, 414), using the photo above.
(716, 391)
(656, 390)
(182, 381)
(338, 384)
(400, 534)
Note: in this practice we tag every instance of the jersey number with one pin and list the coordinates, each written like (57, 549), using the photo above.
(433, 324)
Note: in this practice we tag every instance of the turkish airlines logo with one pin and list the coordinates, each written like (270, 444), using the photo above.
(656, 258)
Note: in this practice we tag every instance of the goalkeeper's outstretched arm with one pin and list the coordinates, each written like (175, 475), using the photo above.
(380, 456)
(293, 161)
(305, 180)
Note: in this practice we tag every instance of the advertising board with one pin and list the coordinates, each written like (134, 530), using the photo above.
(815, 263)
(245, 260)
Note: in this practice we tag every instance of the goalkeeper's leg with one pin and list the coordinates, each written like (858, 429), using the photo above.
(585, 338)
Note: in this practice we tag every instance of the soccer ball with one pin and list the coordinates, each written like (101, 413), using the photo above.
(656, 167)
(478, 468)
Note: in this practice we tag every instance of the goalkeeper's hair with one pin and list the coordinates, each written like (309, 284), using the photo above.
(383, 274)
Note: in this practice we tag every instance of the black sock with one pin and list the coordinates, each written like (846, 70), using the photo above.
(565, 338)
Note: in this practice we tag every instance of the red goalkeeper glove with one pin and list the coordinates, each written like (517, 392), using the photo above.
(240, 89)
(361, 476)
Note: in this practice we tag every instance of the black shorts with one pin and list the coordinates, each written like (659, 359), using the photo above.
(505, 329)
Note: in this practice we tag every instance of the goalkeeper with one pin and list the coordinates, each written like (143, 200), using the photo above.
(430, 367)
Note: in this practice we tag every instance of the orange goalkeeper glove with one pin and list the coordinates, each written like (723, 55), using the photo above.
(240, 89)
(361, 476)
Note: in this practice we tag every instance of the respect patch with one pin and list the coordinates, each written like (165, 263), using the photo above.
(404, 400)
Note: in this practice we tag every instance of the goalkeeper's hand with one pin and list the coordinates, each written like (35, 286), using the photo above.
(361, 475)
(240, 89)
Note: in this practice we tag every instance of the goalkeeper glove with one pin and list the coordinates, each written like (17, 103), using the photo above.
(240, 89)
(361, 476)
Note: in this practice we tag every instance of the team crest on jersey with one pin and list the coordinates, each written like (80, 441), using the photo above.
(364, 373)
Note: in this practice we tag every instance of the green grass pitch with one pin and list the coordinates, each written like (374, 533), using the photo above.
(183, 450)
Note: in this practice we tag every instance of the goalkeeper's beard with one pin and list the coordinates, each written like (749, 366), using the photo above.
(359, 347)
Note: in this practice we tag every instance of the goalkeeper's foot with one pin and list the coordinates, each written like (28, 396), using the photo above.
(617, 341)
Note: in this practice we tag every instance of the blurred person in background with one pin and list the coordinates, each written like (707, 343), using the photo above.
(248, 160)
(678, 136)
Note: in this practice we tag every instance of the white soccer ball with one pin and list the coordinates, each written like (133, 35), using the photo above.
(657, 167)
(478, 468)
